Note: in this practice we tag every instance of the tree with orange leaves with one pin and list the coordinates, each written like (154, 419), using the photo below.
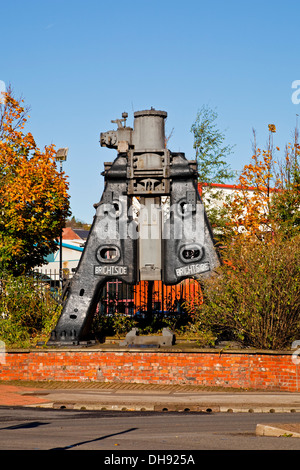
(267, 199)
(250, 206)
(34, 201)
(254, 297)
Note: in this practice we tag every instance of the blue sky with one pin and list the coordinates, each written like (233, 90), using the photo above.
(79, 64)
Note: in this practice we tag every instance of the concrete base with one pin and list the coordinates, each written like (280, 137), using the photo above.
(133, 339)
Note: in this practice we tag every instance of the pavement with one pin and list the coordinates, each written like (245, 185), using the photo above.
(162, 398)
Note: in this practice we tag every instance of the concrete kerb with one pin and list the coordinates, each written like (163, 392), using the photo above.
(102, 406)
(163, 399)
(161, 408)
(278, 430)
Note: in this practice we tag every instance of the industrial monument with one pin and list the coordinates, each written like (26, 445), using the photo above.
(150, 223)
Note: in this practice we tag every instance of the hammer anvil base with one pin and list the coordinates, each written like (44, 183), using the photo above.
(133, 339)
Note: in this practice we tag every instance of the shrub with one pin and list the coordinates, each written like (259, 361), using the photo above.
(115, 324)
(255, 296)
(28, 311)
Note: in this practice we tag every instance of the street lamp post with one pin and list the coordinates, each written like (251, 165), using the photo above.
(61, 156)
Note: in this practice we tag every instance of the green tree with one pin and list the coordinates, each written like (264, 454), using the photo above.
(211, 153)
(211, 156)
(76, 223)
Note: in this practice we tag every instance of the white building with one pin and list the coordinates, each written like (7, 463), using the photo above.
(73, 241)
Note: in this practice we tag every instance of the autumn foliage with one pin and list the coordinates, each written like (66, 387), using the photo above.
(267, 199)
(34, 201)
(254, 297)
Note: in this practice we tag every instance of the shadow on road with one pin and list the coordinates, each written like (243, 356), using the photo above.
(93, 440)
(33, 424)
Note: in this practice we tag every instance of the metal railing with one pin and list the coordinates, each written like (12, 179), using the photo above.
(50, 279)
(118, 297)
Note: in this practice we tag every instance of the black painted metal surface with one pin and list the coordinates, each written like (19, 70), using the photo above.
(135, 234)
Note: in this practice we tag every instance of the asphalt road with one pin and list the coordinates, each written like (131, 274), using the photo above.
(48, 429)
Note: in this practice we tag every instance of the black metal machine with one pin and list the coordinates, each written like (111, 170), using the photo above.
(150, 223)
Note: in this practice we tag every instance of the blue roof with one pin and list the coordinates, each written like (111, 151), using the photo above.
(72, 247)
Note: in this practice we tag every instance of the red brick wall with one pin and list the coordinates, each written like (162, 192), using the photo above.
(266, 371)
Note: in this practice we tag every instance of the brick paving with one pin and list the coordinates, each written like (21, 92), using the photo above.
(12, 395)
